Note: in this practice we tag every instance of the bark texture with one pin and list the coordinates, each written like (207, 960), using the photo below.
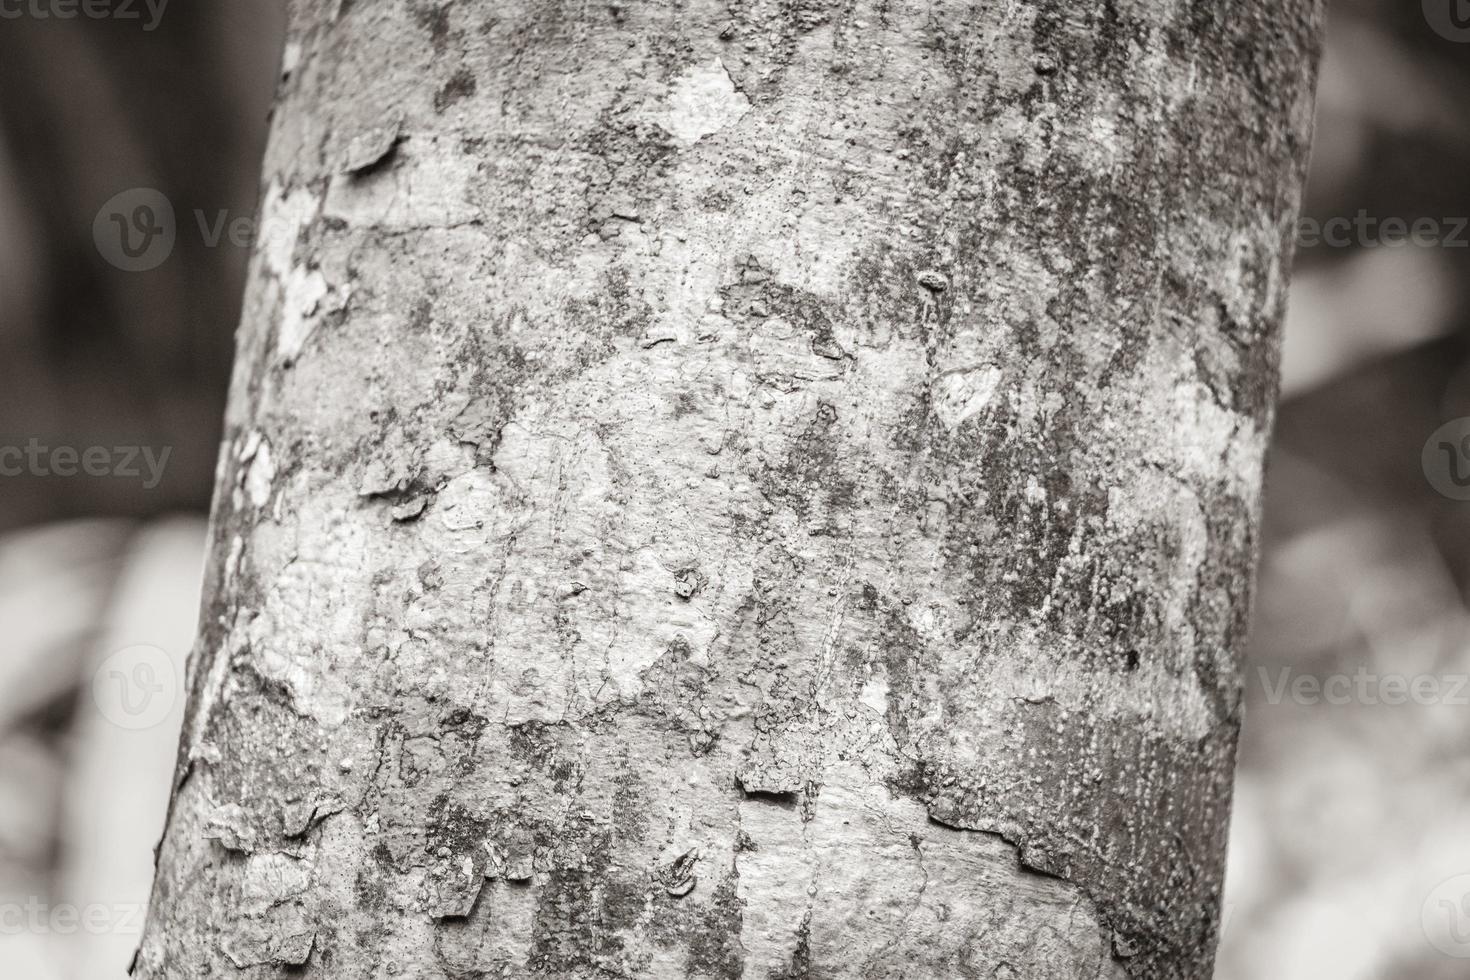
(750, 489)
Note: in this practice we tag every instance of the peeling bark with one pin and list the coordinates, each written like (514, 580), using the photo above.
(740, 489)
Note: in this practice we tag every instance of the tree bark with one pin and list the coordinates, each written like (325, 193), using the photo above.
(763, 488)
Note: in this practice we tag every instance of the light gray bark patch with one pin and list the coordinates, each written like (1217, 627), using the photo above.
(369, 150)
(303, 816)
(933, 281)
(492, 938)
(383, 479)
(688, 582)
(271, 922)
(461, 85)
(455, 890)
(229, 826)
(813, 478)
(410, 511)
(702, 101)
(713, 936)
(278, 941)
(760, 785)
(266, 808)
(676, 688)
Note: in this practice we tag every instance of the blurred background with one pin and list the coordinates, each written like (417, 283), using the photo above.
(1350, 853)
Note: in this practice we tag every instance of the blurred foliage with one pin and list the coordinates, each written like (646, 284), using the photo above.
(1348, 816)
(90, 354)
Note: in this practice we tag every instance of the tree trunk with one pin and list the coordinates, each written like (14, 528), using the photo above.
(758, 488)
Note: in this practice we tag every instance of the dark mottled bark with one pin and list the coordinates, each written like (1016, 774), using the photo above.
(750, 489)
